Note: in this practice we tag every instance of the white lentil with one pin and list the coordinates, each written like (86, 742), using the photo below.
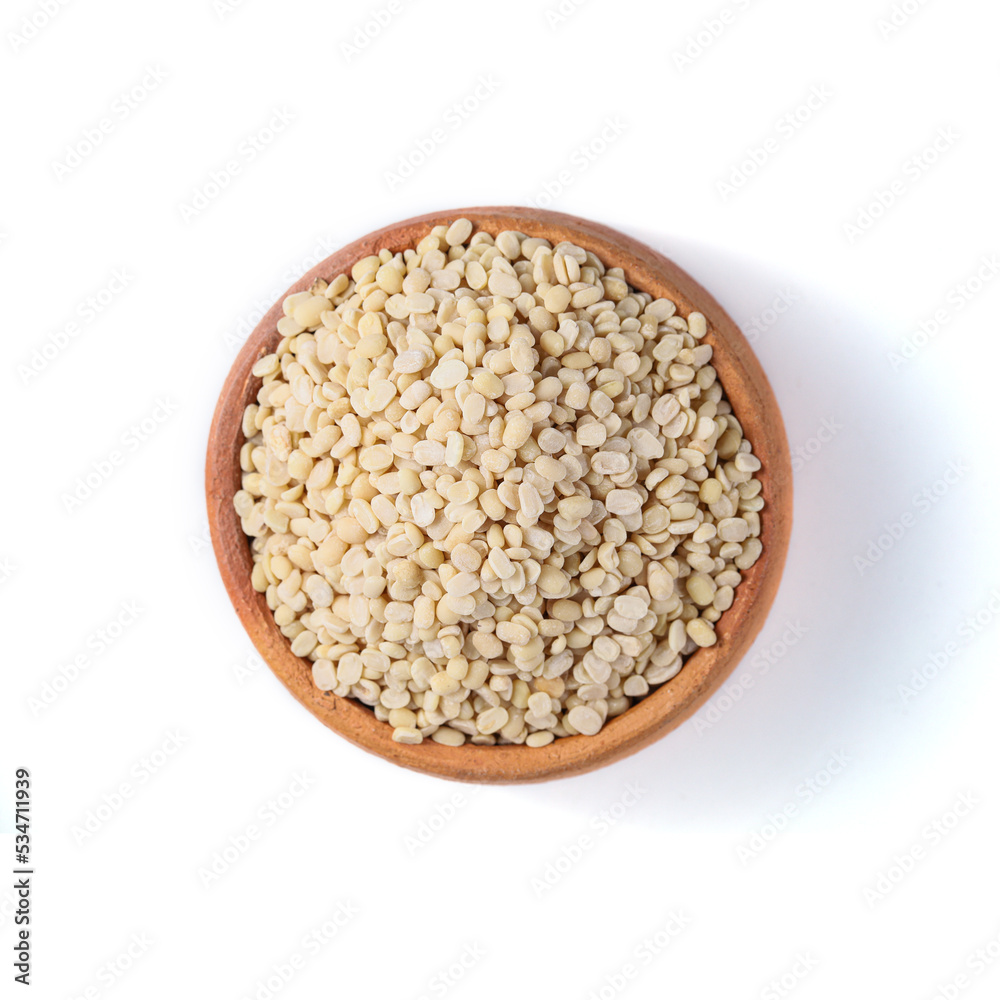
(493, 492)
(585, 720)
(449, 373)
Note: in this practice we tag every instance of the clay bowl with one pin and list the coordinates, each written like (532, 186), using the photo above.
(655, 715)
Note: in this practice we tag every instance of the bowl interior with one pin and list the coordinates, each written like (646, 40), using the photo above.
(703, 672)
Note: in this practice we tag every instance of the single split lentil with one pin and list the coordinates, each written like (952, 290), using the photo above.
(494, 492)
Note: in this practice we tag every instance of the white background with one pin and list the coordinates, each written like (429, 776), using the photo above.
(871, 431)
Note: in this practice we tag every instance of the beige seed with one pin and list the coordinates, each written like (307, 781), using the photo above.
(539, 739)
(710, 491)
(733, 529)
(458, 232)
(517, 430)
(557, 300)
(372, 345)
(266, 365)
(701, 632)
(475, 275)
(447, 736)
(462, 583)
(623, 502)
(531, 503)
(521, 356)
(488, 384)
(389, 279)
(304, 643)
(420, 302)
(592, 435)
(324, 675)
(635, 687)
(661, 583)
(429, 452)
(454, 448)
(410, 362)
(474, 407)
(752, 550)
(449, 373)
(508, 243)
(646, 445)
(540, 703)
(550, 468)
(375, 458)
(677, 635)
(500, 564)
(701, 589)
(495, 461)
(442, 683)
(465, 558)
(513, 634)
(630, 607)
(665, 409)
(407, 735)
(609, 463)
(746, 462)
(501, 283)
(308, 313)
(402, 718)
(415, 395)
(585, 720)
(492, 720)
(601, 404)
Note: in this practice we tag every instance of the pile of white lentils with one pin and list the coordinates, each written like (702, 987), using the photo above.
(493, 491)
